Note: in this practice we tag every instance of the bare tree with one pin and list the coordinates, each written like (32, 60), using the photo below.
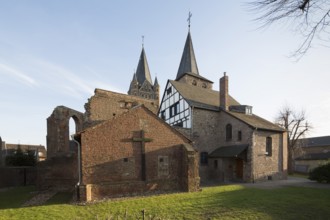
(310, 17)
(297, 126)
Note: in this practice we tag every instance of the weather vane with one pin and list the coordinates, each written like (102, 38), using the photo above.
(189, 19)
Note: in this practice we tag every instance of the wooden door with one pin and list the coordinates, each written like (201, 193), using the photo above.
(239, 169)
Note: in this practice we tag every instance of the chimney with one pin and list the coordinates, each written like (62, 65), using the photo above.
(224, 97)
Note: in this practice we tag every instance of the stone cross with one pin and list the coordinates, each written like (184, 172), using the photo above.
(142, 139)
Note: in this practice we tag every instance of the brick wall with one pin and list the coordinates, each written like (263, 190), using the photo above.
(104, 105)
(17, 176)
(111, 161)
(58, 172)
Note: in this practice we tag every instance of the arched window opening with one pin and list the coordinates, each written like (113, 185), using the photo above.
(269, 146)
(72, 126)
(204, 158)
(229, 132)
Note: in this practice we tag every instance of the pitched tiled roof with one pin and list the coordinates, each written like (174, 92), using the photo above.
(316, 156)
(200, 97)
(316, 141)
(209, 99)
(256, 121)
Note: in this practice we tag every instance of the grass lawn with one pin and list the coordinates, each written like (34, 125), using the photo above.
(222, 202)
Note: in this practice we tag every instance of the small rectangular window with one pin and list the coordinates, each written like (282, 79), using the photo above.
(239, 135)
(174, 109)
(169, 91)
(162, 115)
(163, 166)
(204, 158)
(179, 124)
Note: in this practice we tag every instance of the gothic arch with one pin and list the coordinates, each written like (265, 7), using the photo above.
(58, 140)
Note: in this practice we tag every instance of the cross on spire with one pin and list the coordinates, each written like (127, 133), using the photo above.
(189, 19)
(142, 40)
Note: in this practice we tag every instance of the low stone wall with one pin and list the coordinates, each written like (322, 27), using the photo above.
(92, 192)
(17, 176)
(261, 177)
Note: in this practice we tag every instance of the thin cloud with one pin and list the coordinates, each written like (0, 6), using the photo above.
(69, 82)
(18, 75)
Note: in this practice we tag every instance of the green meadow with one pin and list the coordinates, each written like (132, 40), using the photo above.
(220, 202)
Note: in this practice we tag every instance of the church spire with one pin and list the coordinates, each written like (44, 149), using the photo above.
(188, 62)
(143, 72)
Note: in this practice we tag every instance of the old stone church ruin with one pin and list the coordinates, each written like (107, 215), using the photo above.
(133, 144)
(123, 147)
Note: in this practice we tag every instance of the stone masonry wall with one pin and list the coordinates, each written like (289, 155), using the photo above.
(247, 138)
(268, 167)
(209, 133)
(205, 135)
(196, 81)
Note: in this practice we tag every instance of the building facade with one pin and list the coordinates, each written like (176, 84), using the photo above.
(233, 143)
(311, 153)
(135, 153)
(121, 147)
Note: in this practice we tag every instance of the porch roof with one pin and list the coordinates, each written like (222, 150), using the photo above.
(229, 151)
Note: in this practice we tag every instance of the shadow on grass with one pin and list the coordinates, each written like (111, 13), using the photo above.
(15, 197)
(60, 198)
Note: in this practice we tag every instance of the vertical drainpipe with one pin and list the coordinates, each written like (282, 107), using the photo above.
(79, 167)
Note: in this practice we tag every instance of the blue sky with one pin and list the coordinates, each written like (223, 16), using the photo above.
(57, 52)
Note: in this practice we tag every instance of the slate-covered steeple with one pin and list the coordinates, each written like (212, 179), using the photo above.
(143, 72)
(141, 84)
(188, 62)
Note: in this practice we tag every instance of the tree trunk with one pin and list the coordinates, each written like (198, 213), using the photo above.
(290, 161)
